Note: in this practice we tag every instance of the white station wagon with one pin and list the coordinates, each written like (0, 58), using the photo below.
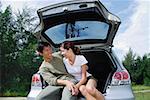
(91, 27)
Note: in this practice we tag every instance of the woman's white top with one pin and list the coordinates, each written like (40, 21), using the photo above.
(76, 69)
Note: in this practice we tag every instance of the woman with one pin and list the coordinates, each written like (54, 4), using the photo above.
(76, 65)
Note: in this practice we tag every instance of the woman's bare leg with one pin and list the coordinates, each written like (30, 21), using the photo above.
(85, 93)
(91, 89)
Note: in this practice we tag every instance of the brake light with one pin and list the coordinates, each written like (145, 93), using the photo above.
(125, 75)
(121, 75)
(117, 75)
(121, 78)
(36, 80)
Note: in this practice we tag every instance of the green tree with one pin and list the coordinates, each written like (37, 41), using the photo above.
(146, 71)
(138, 71)
(133, 65)
(138, 67)
(7, 45)
(129, 63)
(18, 60)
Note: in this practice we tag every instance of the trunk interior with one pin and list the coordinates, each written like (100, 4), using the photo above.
(101, 67)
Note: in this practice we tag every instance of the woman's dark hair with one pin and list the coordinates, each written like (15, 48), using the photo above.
(68, 45)
(41, 46)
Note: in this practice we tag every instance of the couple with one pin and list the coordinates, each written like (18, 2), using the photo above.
(67, 76)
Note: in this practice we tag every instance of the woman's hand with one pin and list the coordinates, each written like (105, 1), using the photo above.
(76, 90)
(70, 85)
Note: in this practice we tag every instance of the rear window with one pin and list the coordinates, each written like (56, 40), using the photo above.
(78, 30)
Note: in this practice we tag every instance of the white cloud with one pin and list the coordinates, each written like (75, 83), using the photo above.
(137, 34)
(34, 4)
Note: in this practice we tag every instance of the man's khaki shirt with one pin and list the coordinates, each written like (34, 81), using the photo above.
(55, 69)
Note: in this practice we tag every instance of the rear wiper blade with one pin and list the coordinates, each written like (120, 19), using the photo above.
(70, 31)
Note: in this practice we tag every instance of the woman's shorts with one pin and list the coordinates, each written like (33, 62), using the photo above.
(91, 77)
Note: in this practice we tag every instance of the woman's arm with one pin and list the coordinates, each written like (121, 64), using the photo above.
(84, 77)
(70, 85)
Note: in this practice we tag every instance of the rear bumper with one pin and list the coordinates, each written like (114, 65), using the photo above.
(30, 98)
(122, 92)
(33, 94)
(121, 99)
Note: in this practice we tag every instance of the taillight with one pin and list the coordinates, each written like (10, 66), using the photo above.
(125, 75)
(121, 78)
(36, 80)
(117, 75)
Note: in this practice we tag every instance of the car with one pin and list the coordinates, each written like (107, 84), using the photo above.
(92, 28)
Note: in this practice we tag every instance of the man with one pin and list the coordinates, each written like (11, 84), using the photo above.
(61, 84)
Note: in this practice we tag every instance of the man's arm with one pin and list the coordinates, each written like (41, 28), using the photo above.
(52, 79)
(48, 76)
(70, 85)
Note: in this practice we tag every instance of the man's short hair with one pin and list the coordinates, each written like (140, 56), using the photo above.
(41, 46)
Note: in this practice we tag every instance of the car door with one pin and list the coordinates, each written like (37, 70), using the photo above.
(80, 21)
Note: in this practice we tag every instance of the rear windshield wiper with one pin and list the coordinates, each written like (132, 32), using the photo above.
(71, 29)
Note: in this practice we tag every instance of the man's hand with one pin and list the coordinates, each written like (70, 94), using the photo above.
(70, 85)
(76, 90)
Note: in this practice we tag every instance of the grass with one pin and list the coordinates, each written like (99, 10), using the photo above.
(140, 87)
(14, 94)
(142, 96)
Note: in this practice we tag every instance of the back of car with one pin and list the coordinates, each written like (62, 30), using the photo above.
(92, 28)
(113, 79)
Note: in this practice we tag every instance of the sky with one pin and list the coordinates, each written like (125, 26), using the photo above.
(134, 31)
